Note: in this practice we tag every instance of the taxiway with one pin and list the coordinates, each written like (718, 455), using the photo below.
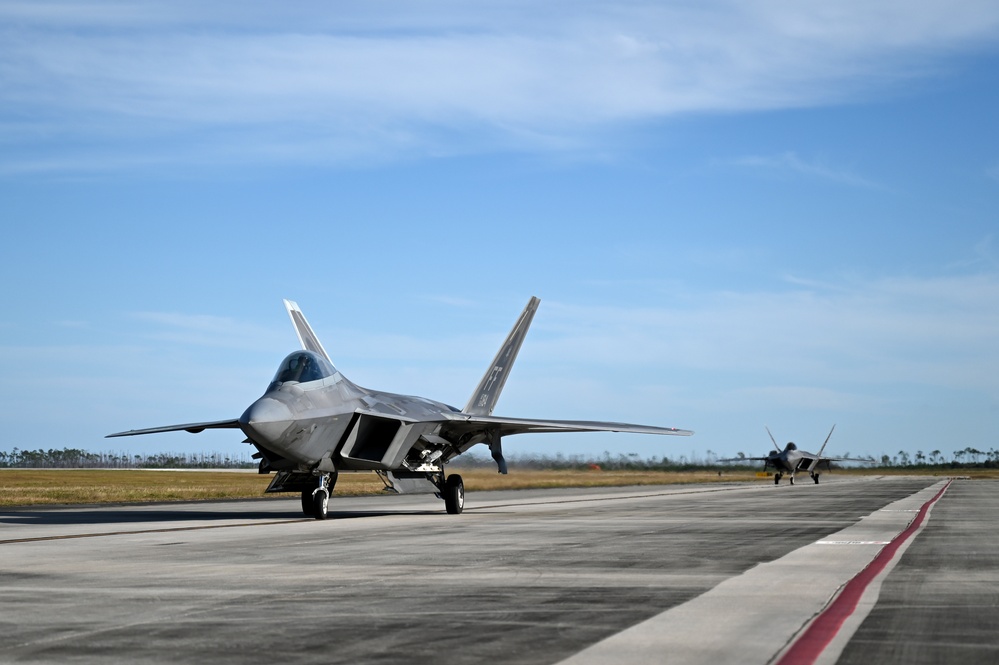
(688, 574)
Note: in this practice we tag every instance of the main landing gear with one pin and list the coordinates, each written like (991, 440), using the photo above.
(315, 503)
(814, 476)
(779, 475)
(453, 493)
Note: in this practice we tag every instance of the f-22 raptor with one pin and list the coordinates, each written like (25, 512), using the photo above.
(791, 460)
(313, 423)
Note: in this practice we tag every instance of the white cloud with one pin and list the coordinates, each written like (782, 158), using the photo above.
(885, 332)
(316, 83)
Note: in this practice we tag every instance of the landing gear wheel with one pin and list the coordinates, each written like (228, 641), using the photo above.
(307, 508)
(816, 478)
(454, 494)
(792, 480)
(776, 479)
(320, 503)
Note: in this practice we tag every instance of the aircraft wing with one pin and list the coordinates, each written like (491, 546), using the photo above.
(815, 460)
(193, 428)
(745, 459)
(508, 426)
(846, 459)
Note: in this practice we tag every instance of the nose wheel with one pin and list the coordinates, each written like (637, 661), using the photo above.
(315, 503)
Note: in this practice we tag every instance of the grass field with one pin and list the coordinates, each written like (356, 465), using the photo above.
(27, 487)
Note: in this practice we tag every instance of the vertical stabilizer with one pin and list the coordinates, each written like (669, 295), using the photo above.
(483, 400)
(305, 335)
(826, 441)
(772, 438)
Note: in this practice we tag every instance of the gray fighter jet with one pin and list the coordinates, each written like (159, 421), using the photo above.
(313, 423)
(791, 460)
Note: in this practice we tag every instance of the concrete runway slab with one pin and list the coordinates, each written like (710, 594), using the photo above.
(520, 577)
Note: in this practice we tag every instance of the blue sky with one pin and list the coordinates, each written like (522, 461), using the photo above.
(782, 214)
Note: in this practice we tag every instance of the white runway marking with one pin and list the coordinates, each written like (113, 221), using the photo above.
(750, 618)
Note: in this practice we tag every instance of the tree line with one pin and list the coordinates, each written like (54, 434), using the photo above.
(73, 458)
(960, 459)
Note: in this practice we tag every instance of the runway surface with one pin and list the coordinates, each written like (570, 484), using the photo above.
(687, 574)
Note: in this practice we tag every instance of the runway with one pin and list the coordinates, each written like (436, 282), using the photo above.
(727, 573)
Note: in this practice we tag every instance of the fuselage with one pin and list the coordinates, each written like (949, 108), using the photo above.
(788, 460)
(297, 423)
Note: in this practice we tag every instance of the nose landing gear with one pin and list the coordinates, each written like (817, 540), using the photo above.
(315, 503)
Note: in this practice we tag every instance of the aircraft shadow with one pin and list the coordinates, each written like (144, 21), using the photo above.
(165, 516)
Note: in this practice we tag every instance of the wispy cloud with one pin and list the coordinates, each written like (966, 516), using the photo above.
(235, 82)
(889, 331)
(791, 163)
(208, 330)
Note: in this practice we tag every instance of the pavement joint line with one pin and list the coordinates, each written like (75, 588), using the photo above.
(72, 536)
(642, 495)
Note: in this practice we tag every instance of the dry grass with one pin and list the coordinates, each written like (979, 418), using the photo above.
(25, 487)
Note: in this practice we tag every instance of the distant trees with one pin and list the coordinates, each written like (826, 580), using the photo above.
(74, 458)
(82, 459)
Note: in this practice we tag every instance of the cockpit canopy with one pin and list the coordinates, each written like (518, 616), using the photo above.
(790, 446)
(303, 366)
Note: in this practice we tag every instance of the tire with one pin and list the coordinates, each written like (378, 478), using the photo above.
(307, 506)
(454, 494)
(320, 504)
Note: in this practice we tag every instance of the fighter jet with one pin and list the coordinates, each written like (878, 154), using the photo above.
(791, 460)
(312, 423)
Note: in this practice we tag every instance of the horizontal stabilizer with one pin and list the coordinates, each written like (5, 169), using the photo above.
(193, 428)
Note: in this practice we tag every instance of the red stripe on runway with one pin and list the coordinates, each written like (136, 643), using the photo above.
(811, 643)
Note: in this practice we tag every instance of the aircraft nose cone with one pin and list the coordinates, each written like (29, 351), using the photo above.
(266, 420)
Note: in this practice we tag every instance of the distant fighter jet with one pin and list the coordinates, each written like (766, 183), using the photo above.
(791, 460)
(312, 423)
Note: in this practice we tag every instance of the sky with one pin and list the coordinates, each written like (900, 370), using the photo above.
(736, 215)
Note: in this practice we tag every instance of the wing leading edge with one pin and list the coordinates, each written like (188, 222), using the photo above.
(508, 426)
(193, 428)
